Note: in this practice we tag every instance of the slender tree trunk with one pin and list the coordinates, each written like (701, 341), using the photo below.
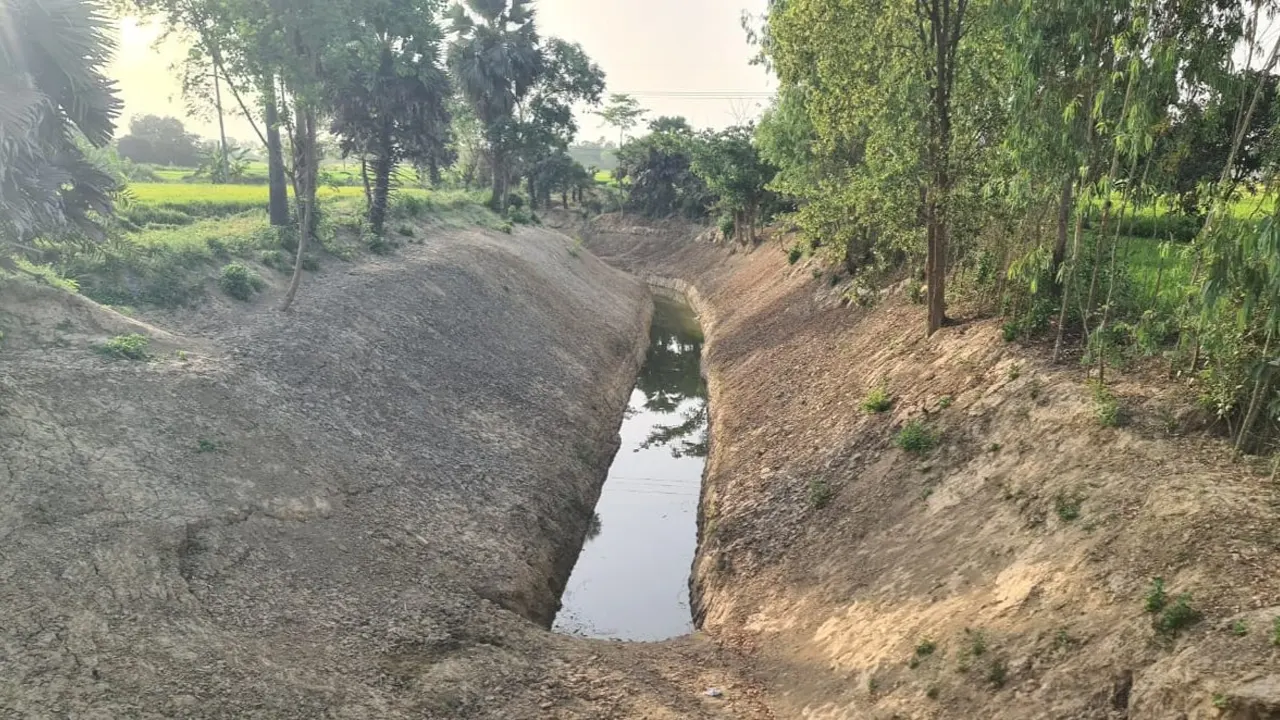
(223, 169)
(278, 193)
(364, 179)
(533, 193)
(1064, 220)
(498, 200)
(1255, 399)
(305, 175)
(382, 166)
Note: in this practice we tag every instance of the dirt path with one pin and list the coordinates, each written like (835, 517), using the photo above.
(352, 511)
(1003, 572)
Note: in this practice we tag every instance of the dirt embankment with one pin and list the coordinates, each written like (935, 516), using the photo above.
(1003, 573)
(350, 511)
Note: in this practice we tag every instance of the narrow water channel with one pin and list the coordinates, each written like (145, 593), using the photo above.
(631, 581)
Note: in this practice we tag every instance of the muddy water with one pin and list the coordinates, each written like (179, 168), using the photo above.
(631, 581)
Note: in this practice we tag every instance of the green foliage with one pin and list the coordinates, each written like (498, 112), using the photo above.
(1106, 407)
(820, 493)
(1239, 628)
(125, 347)
(204, 445)
(794, 253)
(997, 673)
(977, 642)
(1067, 507)
(1156, 598)
(239, 281)
(916, 438)
(878, 399)
(932, 692)
(730, 164)
(1177, 616)
(925, 647)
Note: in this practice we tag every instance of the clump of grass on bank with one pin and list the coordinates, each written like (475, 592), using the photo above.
(239, 281)
(125, 347)
(916, 438)
(878, 399)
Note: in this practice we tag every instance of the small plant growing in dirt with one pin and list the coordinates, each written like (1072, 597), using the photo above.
(125, 347)
(1221, 702)
(204, 445)
(820, 493)
(1179, 615)
(878, 399)
(993, 448)
(1106, 408)
(977, 642)
(794, 253)
(925, 648)
(944, 402)
(998, 673)
(405, 231)
(575, 250)
(1239, 628)
(1014, 372)
(932, 692)
(1156, 597)
(1067, 507)
(916, 438)
(239, 281)
(915, 291)
(1063, 640)
(872, 685)
(275, 259)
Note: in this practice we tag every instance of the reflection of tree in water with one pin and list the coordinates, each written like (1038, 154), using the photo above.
(593, 529)
(670, 376)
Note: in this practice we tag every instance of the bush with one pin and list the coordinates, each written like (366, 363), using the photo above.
(793, 255)
(916, 438)
(1177, 616)
(275, 259)
(878, 399)
(125, 347)
(408, 205)
(406, 231)
(521, 216)
(1106, 408)
(820, 493)
(239, 281)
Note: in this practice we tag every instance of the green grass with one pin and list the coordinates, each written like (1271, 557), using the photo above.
(125, 347)
(916, 438)
(878, 399)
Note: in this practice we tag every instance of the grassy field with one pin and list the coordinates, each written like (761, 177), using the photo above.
(177, 237)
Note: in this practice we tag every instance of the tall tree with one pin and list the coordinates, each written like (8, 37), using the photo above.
(53, 54)
(494, 58)
(730, 164)
(623, 112)
(390, 98)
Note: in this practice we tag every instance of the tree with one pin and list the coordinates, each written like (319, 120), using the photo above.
(730, 164)
(623, 112)
(494, 58)
(160, 141)
(53, 54)
(545, 123)
(659, 171)
(390, 96)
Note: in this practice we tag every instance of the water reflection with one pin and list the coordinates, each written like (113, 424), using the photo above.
(671, 376)
(631, 580)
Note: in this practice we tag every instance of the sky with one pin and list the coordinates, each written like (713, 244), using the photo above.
(678, 57)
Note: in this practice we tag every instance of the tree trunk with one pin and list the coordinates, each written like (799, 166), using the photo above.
(1255, 404)
(305, 174)
(382, 165)
(1064, 218)
(364, 178)
(223, 171)
(564, 198)
(278, 203)
(533, 193)
(498, 199)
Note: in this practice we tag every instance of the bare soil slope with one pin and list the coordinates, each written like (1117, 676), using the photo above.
(356, 510)
(1002, 574)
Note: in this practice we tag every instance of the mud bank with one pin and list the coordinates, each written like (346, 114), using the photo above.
(1004, 572)
(347, 511)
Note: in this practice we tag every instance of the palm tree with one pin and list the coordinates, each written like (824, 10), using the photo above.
(53, 95)
(495, 61)
(391, 104)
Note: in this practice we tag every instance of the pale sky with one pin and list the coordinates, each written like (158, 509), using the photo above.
(662, 51)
